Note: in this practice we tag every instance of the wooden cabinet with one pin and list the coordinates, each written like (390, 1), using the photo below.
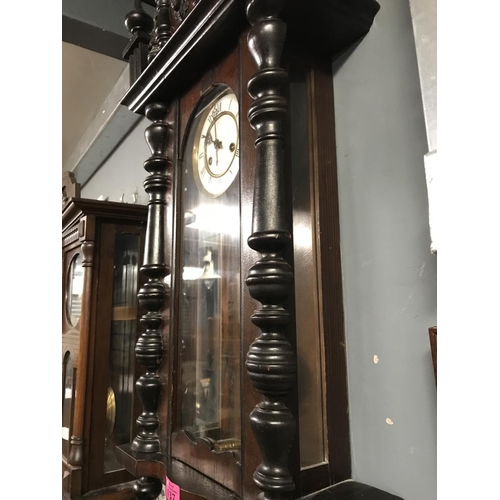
(246, 390)
(102, 247)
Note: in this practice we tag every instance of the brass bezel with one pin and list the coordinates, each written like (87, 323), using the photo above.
(199, 121)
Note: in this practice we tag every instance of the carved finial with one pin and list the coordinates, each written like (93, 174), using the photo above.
(140, 24)
(70, 188)
(138, 19)
(147, 488)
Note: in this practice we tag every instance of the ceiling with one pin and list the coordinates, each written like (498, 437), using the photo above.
(87, 79)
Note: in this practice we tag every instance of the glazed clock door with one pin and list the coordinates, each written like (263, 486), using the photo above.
(71, 314)
(207, 430)
(115, 406)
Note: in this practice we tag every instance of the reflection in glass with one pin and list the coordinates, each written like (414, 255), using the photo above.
(120, 395)
(310, 364)
(74, 290)
(210, 314)
(67, 402)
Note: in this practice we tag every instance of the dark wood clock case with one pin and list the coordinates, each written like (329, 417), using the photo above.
(289, 364)
(102, 245)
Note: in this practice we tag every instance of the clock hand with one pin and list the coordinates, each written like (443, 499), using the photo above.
(216, 142)
(208, 138)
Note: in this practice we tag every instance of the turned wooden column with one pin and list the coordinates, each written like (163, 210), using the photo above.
(162, 28)
(153, 294)
(271, 362)
(75, 457)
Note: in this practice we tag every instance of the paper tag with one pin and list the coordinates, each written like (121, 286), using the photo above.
(172, 491)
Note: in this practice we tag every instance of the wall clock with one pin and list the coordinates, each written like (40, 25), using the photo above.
(245, 394)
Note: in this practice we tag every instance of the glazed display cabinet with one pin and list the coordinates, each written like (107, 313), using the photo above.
(102, 246)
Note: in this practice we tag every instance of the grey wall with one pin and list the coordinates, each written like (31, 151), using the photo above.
(122, 172)
(389, 274)
(108, 15)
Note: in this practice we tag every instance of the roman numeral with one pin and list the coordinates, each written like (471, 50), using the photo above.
(237, 154)
(203, 171)
(202, 154)
(216, 110)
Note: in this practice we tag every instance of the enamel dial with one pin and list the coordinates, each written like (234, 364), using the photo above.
(216, 162)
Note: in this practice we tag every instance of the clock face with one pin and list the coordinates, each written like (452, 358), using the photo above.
(216, 153)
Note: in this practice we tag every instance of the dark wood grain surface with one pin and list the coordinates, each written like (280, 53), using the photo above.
(351, 490)
(433, 341)
(326, 28)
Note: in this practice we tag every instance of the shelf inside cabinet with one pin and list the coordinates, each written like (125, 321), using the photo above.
(124, 313)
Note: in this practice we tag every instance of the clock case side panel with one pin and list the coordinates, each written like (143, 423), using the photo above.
(315, 72)
(222, 468)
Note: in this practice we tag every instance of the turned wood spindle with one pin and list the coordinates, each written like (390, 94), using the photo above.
(162, 28)
(152, 295)
(271, 362)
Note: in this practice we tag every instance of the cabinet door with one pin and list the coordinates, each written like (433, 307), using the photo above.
(68, 396)
(114, 405)
(207, 412)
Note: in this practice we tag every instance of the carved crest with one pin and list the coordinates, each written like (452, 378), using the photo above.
(70, 188)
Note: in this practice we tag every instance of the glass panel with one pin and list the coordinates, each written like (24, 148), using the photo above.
(74, 290)
(120, 396)
(67, 402)
(310, 359)
(210, 303)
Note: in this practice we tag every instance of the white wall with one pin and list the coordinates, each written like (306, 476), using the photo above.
(424, 19)
(388, 271)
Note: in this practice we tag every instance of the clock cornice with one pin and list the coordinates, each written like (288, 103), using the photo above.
(324, 27)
